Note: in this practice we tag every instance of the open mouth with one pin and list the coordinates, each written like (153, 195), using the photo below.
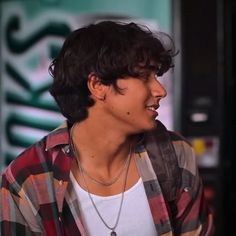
(153, 109)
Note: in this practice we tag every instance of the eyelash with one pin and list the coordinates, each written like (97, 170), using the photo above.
(146, 77)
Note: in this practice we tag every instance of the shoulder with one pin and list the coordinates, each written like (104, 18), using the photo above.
(184, 152)
(173, 144)
(169, 142)
(29, 162)
(45, 156)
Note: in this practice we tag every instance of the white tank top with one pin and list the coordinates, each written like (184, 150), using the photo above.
(135, 218)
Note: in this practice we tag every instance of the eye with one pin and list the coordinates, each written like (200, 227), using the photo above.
(143, 77)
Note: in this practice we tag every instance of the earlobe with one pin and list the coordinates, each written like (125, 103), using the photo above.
(96, 87)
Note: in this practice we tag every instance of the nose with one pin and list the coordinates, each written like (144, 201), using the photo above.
(157, 89)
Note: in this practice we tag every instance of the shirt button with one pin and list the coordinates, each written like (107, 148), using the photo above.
(60, 182)
(186, 189)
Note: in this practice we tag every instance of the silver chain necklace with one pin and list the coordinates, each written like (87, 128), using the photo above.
(126, 168)
(107, 183)
(113, 232)
(103, 183)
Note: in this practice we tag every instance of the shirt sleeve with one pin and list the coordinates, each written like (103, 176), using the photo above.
(16, 215)
(193, 216)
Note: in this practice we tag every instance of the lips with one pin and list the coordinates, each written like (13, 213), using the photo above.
(153, 109)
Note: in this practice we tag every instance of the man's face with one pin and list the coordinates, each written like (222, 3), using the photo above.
(134, 109)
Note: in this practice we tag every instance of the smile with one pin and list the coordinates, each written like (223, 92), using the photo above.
(153, 107)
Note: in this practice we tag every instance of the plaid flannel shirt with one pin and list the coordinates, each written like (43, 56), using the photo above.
(37, 197)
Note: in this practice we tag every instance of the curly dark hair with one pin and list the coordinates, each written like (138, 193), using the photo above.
(110, 50)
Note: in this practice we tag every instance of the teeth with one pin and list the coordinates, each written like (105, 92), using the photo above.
(152, 108)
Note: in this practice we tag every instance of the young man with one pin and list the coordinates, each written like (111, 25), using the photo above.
(93, 175)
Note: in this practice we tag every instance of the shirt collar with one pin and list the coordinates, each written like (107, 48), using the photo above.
(59, 136)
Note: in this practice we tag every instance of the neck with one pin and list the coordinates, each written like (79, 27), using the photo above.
(98, 145)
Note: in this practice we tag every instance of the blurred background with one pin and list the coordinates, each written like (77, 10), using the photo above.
(200, 88)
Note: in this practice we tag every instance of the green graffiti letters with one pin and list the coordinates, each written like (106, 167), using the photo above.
(30, 96)
(33, 95)
(23, 139)
(21, 45)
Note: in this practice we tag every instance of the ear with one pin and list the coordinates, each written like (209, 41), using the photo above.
(96, 87)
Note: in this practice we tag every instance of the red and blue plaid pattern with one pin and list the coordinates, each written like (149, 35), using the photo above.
(37, 197)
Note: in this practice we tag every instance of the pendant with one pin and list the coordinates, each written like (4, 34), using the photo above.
(113, 233)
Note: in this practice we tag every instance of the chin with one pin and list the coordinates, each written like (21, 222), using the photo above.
(152, 126)
(149, 126)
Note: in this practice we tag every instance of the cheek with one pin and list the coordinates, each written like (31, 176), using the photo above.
(134, 111)
(134, 107)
